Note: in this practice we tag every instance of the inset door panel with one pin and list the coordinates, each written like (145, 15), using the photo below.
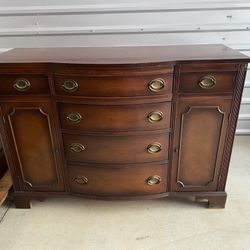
(31, 128)
(198, 144)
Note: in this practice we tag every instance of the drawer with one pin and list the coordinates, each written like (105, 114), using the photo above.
(207, 82)
(116, 149)
(118, 181)
(24, 85)
(113, 86)
(115, 117)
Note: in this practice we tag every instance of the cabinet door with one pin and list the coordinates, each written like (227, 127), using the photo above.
(199, 138)
(33, 147)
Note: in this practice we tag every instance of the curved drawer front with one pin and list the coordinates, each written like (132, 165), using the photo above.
(116, 149)
(207, 82)
(115, 117)
(113, 86)
(118, 181)
(24, 85)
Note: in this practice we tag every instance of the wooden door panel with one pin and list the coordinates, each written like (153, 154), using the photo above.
(31, 129)
(199, 140)
(205, 123)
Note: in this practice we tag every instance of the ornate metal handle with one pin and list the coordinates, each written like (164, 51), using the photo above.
(156, 85)
(74, 117)
(70, 85)
(154, 148)
(82, 180)
(76, 147)
(152, 180)
(207, 82)
(21, 84)
(155, 116)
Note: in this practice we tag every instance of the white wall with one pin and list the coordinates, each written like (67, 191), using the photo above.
(46, 23)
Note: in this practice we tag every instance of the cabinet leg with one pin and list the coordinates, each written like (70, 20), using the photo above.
(216, 201)
(22, 202)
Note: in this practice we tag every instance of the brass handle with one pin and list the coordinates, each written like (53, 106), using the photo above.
(155, 116)
(82, 180)
(70, 85)
(156, 85)
(207, 82)
(21, 84)
(154, 148)
(74, 117)
(76, 147)
(152, 180)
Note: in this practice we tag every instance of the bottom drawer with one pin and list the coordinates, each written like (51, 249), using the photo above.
(140, 179)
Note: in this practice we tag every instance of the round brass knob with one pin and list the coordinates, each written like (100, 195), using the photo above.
(154, 148)
(152, 180)
(21, 84)
(70, 85)
(82, 180)
(76, 147)
(156, 85)
(207, 82)
(74, 117)
(155, 116)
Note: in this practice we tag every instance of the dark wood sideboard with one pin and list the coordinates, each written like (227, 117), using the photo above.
(120, 123)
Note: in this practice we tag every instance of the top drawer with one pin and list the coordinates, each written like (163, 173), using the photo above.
(207, 82)
(24, 85)
(113, 86)
(205, 78)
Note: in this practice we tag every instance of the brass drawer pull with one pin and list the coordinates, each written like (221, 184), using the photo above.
(155, 116)
(70, 85)
(21, 84)
(152, 180)
(76, 147)
(82, 180)
(207, 82)
(74, 117)
(154, 148)
(156, 85)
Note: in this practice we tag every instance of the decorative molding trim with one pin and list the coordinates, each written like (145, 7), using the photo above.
(239, 85)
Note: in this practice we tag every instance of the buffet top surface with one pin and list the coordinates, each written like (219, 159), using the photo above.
(122, 55)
